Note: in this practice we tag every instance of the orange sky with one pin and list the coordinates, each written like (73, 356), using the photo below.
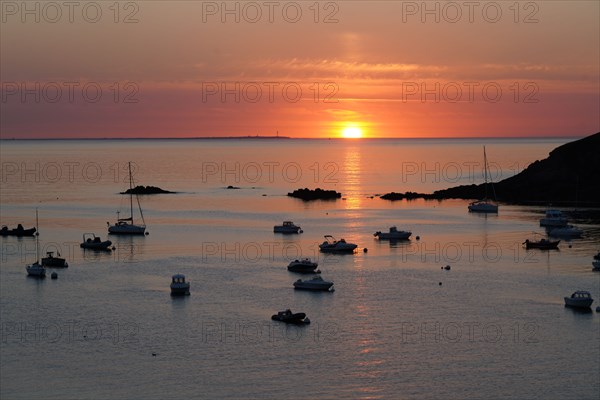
(385, 69)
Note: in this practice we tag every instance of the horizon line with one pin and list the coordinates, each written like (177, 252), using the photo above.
(298, 138)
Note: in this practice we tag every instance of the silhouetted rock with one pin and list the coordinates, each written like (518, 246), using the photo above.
(146, 190)
(317, 194)
(232, 187)
(569, 176)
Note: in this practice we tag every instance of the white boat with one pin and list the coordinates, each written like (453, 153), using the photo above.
(317, 283)
(305, 265)
(179, 287)
(393, 234)
(287, 227)
(579, 299)
(36, 270)
(54, 262)
(331, 245)
(93, 242)
(553, 218)
(485, 205)
(566, 231)
(126, 226)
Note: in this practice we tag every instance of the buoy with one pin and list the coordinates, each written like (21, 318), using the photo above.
(440, 283)
(147, 233)
(114, 248)
(365, 250)
(54, 275)
(153, 354)
(570, 245)
(447, 268)
(418, 238)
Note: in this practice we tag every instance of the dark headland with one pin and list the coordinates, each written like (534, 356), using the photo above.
(146, 190)
(316, 194)
(570, 176)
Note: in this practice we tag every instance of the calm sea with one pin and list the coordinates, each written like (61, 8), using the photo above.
(397, 326)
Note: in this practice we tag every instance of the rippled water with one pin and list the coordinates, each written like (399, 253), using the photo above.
(495, 328)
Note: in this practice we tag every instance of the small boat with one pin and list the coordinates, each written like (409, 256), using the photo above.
(287, 227)
(54, 262)
(316, 283)
(331, 245)
(93, 242)
(542, 244)
(303, 266)
(596, 265)
(568, 231)
(289, 317)
(19, 231)
(126, 226)
(393, 234)
(485, 205)
(579, 299)
(36, 270)
(554, 218)
(179, 287)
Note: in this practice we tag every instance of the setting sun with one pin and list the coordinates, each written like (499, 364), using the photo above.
(352, 132)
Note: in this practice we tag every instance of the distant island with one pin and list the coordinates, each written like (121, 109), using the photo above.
(146, 190)
(316, 194)
(569, 177)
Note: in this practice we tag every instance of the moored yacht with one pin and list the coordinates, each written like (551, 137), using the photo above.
(579, 299)
(393, 234)
(179, 287)
(287, 227)
(316, 283)
(54, 262)
(331, 245)
(126, 226)
(303, 266)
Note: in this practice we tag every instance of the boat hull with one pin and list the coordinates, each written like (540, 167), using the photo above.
(96, 246)
(180, 290)
(54, 263)
(578, 303)
(338, 249)
(294, 318)
(286, 230)
(483, 208)
(18, 232)
(127, 229)
(542, 246)
(393, 236)
(36, 271)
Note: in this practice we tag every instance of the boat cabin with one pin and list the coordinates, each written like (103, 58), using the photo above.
(580, 294)
(178, 278)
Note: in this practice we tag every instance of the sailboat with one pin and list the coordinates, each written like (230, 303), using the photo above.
(36, 269)
(126, 226)
(485, 206)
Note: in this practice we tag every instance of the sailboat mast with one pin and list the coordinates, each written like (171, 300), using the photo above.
(485, 172)
(130, 194)
(37, 236)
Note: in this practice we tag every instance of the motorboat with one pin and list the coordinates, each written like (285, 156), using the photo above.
(36, 270)
(54, 262)
(289, 317)
(93, 242)
(553, 218)
(393, 234)
(542, 244)
(303, 266)
(19, 231)
(331, 245)
(567, 231)
(485, 205)
(126, 226)
(579, 299)
(179, 287)
(316, 283)
(287, 227)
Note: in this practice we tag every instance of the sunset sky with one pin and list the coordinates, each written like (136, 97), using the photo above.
(303, 69)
